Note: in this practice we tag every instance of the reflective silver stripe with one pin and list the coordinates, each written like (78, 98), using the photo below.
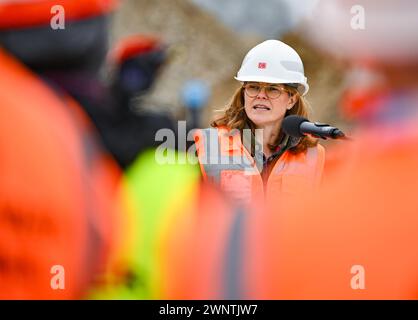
(214, 162)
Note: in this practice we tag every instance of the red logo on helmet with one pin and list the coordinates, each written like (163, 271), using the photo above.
(262, 65)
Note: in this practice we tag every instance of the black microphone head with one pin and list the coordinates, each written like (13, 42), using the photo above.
(291, 125)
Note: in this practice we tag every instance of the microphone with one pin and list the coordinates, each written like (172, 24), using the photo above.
(297, 126)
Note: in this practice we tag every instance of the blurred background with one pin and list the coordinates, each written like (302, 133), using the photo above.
(208, 39)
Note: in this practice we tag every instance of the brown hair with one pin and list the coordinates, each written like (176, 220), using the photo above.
(234, 117)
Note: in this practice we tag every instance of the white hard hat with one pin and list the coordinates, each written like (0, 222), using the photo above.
(273, 61)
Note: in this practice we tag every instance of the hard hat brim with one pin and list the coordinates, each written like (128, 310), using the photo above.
(303, 88)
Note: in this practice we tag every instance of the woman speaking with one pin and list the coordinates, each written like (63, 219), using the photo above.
(246, 152)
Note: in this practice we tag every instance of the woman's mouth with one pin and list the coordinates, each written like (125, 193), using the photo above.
(261, 107)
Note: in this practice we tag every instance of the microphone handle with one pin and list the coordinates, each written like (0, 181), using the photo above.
(321, 130)
(338, 134)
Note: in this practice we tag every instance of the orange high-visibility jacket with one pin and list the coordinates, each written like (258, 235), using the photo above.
(225, 161)
(57, 191)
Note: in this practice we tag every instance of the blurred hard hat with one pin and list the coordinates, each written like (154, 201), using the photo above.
(27, 13)
(137, 61)
(273, 61)
(368, 31)
(134, 46)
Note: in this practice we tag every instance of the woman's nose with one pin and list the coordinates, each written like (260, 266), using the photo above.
(262, 93)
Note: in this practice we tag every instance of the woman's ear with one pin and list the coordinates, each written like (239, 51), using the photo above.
(292, 101)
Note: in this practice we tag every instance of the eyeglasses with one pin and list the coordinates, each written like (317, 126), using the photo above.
(253, 89)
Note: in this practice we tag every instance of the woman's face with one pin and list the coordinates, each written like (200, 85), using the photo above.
(266, 104)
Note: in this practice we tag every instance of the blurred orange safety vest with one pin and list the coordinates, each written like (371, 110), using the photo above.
(225, 161)
(58, 191)
(357, 240)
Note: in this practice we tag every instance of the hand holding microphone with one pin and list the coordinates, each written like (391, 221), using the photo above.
(297, 126)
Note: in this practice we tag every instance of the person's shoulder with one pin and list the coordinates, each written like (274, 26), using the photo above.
(320, 148)
(316, 152)
(316, 148)
(213, 130)
(204, 131)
